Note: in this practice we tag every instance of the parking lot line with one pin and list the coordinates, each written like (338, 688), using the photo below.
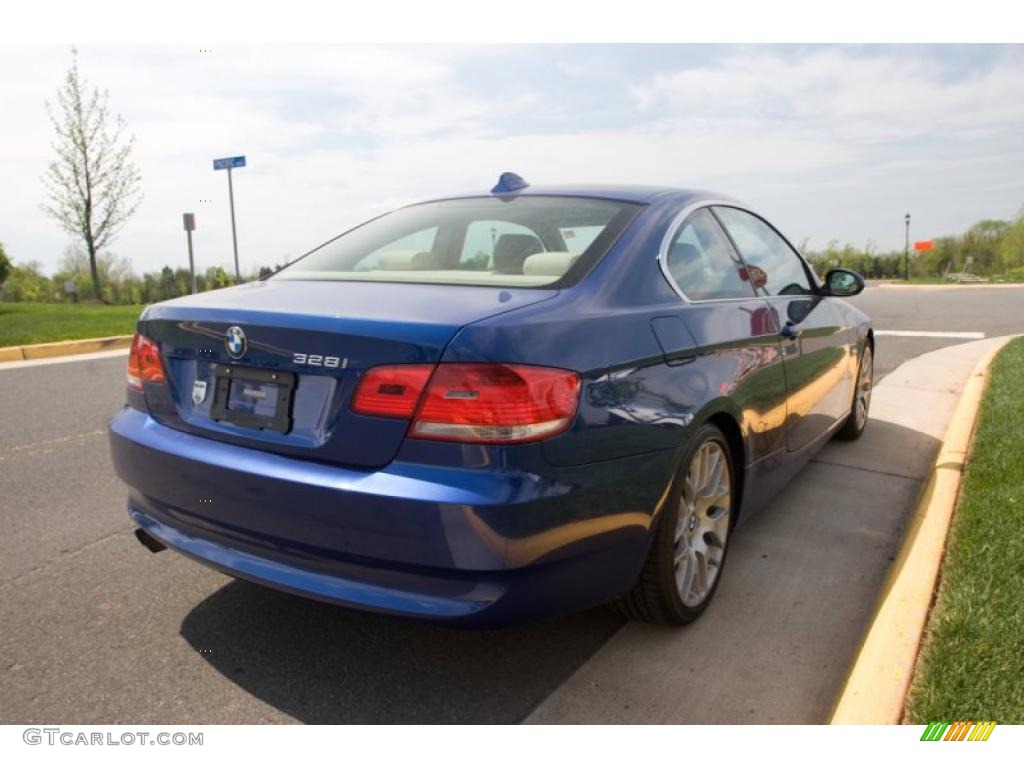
(51, 443)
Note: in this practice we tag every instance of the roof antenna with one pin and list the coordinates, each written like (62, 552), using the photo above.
(509, 183)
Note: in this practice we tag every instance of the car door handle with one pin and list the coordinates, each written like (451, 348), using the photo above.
(790, 331)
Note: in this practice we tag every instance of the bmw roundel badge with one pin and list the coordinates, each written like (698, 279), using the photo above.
(235, 342)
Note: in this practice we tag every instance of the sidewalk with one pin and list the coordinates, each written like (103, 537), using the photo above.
(951, 285)
(801, 584)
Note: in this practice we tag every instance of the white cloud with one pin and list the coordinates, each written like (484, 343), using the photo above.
(834, 142)
(855, 95)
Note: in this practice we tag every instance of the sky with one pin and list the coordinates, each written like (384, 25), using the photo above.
(828, 142)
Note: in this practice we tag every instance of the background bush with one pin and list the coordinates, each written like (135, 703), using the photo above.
(995, 249)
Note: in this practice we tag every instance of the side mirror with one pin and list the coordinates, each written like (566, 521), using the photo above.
(843, 282)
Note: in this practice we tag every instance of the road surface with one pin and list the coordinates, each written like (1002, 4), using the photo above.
(98, 630)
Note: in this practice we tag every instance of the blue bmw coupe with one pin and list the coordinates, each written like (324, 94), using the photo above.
(496, 407)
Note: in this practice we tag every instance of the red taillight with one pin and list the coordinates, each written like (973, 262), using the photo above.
(472, 402)
(496, 403)
(144, 363)
(391, 391)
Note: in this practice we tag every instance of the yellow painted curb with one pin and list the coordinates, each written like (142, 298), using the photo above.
(62, 348)
(876, 687)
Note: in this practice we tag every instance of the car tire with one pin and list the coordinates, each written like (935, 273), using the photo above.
(855, 423)
(685, 562)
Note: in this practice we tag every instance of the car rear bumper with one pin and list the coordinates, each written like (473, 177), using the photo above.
(473, 546)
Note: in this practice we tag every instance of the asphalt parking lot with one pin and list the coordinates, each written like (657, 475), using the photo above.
(96, 629)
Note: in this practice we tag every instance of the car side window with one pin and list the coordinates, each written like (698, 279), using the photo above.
(703, 264)
(775, 267)
(578, 239)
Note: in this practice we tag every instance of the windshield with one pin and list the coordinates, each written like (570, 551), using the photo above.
(528, 241)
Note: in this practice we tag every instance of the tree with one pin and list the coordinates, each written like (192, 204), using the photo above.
(74, 261)
(93, 185)
(26, 282)
(115, 272)
(168, 286)
(216, 278)
(5, 265)
(1011, 249)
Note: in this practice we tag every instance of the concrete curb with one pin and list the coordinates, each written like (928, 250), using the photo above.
(63, 348)
(951, 286)
(876, 686)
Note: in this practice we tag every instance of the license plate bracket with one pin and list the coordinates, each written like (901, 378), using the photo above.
(253, 397)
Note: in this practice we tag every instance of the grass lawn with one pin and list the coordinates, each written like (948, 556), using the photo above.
(972, 662)
(26, 323)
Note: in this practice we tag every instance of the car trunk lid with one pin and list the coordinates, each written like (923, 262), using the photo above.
(304, 343)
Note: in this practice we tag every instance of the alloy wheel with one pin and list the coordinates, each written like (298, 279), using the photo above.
(702, 525)
(864, 383)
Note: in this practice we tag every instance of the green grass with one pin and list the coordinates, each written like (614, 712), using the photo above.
(972, 662)
(25, 323)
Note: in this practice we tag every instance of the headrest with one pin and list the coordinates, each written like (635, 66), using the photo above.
(554, 263)
(510, 251)
(428, 260)
(396, 260)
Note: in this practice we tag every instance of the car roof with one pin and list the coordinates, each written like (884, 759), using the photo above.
(630, 193)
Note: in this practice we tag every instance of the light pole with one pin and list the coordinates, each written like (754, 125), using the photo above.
(906, 250)
(190, 225)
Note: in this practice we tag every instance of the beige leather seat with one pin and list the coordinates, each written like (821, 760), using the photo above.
(554, 263)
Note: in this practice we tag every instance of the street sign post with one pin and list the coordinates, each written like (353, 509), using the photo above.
(189, 220)
(226, 164)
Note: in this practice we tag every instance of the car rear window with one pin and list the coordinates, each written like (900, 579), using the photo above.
(525, 241)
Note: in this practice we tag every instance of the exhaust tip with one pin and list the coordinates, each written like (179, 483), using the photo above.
(153, 545)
